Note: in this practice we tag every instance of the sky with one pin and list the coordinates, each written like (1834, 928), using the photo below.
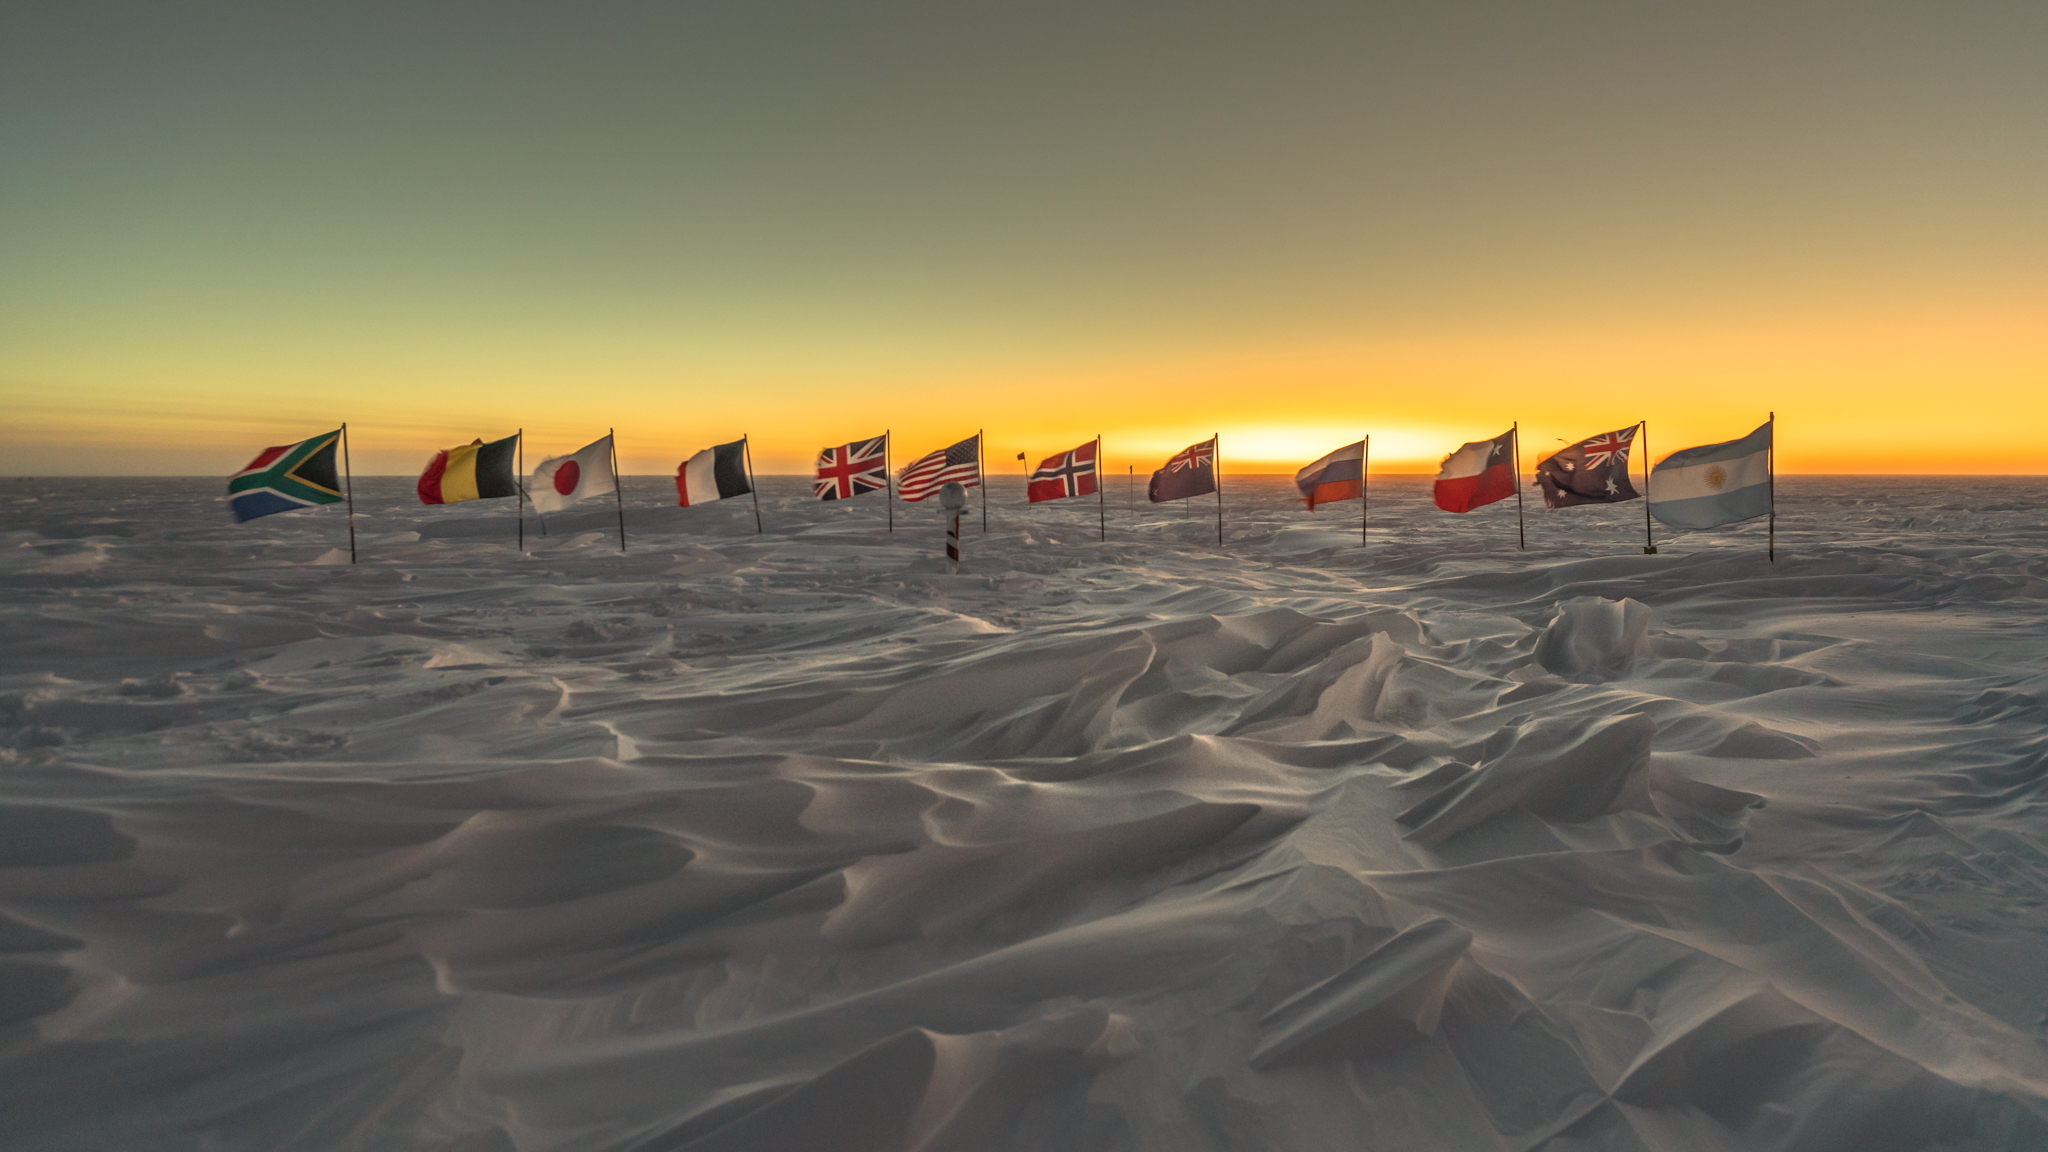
(229, 226)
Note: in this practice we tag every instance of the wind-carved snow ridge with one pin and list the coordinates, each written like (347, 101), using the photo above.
(799, 841)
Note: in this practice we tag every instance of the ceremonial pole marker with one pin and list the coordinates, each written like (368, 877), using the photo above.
(952, 502)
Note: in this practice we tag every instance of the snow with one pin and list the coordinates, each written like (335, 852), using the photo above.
(798, 841)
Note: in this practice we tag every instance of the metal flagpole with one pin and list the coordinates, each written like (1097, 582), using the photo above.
(747, 446)
(1131, 489)
(1521, 531)
(618, 486)
(348, 486)
(1101, 502)
(888, 480)
(1649, 537)
(1771, 464)
(981, 472)
(1364, 493)
(1216, 459)
(519, 489)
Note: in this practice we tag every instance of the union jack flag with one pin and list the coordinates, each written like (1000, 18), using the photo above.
(1602, 449)
(851, 469)
(1070, 473)
(1193, 456)
(927, 474)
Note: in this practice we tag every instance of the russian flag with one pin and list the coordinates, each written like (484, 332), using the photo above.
(1338, 476)
(1477, 474)
(1714, 484)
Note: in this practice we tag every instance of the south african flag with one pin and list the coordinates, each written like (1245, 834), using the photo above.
(287, 477)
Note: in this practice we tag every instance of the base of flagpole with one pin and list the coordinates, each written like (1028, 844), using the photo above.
(1649, 549)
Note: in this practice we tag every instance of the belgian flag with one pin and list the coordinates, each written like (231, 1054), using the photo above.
(475, 471)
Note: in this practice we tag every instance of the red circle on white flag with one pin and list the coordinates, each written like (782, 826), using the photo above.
(566, 477)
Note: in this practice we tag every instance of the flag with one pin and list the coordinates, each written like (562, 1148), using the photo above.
(1593, 471)
(560, 481)
(287, 477)
(1067, 474)
(1338, 476)
(851, 469)
(1188, 472)
(1477, 474)
(925, 475)
(717, 473)
(1714, 484)
(474, 471)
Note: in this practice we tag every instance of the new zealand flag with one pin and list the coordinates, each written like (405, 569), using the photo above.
(1189, 472)
(1593, 471)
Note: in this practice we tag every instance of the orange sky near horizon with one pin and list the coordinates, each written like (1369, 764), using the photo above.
(1294, 225)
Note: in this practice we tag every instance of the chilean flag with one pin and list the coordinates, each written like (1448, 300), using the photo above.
(1477, 474)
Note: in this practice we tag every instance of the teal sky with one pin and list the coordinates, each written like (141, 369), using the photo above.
(221, 223)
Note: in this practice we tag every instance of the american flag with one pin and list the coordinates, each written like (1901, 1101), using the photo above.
(852, 469)
(927, 474)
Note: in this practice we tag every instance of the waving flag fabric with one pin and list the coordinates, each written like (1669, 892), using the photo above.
(287, 477)
(1338, 476)
(1714, 484)
(1477, 474)
(563, 480)
(1071, 473)
(717, 473)
(1188, 472)
(851, 469)
(1593, 471)
(927, 474)
(474, 471)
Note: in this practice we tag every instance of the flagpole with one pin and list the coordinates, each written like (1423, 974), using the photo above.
(1364, 492)
(348, 486)
(519, 490)
(1101, 501)
(1216, 453)
(981, 472)
(1131, 489)
(1771, 464)
(1649, 537)
(888, 479)
(618, 486)
(1521, 530)
(747, 446)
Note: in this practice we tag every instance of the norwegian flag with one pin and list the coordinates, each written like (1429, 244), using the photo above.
(851, 469)
(927, 474)
(1071, 473)
(1593, 471)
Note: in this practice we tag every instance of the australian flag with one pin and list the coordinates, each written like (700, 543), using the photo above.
(851, 469)
(1188, 472)
(1593, 471)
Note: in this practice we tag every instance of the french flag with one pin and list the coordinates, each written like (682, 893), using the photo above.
(1477, 474)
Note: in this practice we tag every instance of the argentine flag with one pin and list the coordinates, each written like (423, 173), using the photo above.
(1714, 484)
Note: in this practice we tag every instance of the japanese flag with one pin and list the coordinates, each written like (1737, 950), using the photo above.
(563, 480)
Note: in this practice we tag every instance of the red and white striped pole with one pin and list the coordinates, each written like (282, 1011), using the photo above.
(953, 501)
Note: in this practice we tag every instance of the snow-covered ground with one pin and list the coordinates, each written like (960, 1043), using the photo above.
(796, 841)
